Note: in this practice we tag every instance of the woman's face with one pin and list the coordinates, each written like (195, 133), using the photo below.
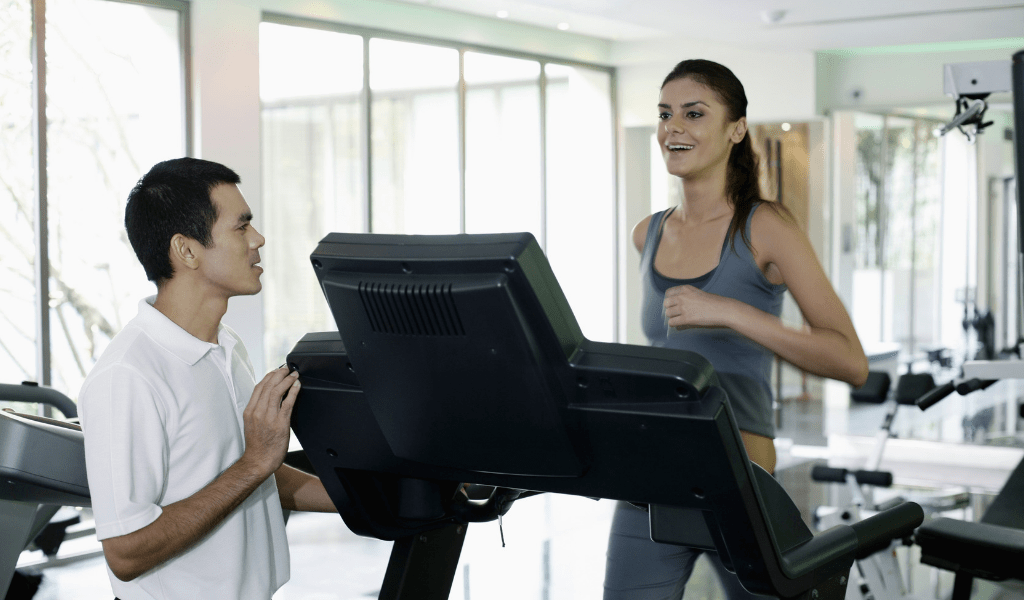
(695, 133)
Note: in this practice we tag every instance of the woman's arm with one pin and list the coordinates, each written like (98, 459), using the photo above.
(828, 346)
(640, 233)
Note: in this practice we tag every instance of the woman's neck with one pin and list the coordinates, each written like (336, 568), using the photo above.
(704, 199)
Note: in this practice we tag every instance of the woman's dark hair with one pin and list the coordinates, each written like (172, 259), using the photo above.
(173, 197)
(742, 186)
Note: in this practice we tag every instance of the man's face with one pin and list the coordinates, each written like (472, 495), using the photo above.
(229, 264)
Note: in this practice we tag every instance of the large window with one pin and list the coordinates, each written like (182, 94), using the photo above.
(114, 106)
(429, 137)
(17, 196)
(503, 170)
(579, 216)
(904, 266)
(313, 133)
(414, 132)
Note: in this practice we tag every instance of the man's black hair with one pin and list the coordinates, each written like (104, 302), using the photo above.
(173, 197)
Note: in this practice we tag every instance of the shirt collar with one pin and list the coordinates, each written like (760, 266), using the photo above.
(173, 338)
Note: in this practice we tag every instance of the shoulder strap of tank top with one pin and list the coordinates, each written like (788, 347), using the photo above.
(750, 217)
(654, 229)
(740, 247)
(664, 217)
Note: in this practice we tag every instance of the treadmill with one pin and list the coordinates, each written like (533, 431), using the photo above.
(458, 361)
(42, 467)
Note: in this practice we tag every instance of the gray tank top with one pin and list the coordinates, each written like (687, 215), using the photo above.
(743, 366)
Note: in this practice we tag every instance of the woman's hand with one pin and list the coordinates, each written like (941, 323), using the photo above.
(687, 306)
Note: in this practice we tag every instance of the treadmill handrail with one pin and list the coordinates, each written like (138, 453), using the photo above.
(33, 393)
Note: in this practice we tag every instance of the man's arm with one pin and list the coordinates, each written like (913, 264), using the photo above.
(182, 524)
(302, 491)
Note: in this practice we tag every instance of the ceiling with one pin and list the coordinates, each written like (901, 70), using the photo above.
(797, 25)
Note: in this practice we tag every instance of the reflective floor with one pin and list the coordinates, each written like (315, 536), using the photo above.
(554, 545)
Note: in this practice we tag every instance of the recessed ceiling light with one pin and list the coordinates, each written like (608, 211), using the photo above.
(772, 17)
(563, 26)
(502, 14)
(786, 127)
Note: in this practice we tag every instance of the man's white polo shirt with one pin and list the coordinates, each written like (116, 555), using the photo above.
(162, 416)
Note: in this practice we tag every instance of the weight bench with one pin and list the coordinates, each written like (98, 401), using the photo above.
(458, 360)
(991, 549)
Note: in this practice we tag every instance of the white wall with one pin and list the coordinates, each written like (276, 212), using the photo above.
(779, 85)
(225, 62)
(843, 205)
(887, 78)
(225, 74)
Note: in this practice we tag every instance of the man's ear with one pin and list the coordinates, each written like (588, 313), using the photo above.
(739, 131)
(184, 252)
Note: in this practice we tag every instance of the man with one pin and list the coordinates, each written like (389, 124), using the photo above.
(183, 448)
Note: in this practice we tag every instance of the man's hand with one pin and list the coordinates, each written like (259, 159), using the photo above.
(267, 420)
(182, 524)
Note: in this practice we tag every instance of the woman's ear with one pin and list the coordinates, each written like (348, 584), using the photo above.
(739, 130)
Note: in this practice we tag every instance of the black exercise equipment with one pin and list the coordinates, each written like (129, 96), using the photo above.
(458, 360)
(42, 467)
(939, 357)
(875, 389)
(912, 386)
(984, 326)
(824, 474)
(992, 548)
(31, 392)
(933, 396)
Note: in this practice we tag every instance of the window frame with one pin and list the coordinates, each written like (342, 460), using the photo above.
(39, 155)
(368, 33)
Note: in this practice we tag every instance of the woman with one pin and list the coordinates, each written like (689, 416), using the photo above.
(714, 269)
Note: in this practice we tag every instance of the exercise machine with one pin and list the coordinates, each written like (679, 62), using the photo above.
(970, 84)
(42, 468)
(458, 361)
(992, 548)
(880, 576)
(860, 483)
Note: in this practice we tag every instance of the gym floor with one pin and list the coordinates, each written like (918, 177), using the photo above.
(554, 545)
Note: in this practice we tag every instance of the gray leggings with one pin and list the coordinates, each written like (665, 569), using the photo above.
(641, 569)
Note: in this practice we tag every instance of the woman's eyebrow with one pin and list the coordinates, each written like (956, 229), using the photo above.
(686, 105)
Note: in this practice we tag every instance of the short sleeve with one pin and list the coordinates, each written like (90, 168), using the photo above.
(126, 450)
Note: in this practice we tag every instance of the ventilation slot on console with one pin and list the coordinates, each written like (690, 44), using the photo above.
(411, 309)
